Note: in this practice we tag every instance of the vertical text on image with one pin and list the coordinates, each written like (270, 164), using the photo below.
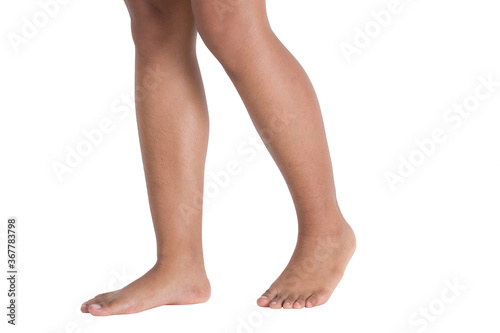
(12, 273)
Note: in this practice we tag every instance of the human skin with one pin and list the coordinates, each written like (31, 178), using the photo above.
(173, 121)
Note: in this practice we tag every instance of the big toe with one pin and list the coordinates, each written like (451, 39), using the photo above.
(85, 306)
(99, 309)
(266, 298)
(317, 299)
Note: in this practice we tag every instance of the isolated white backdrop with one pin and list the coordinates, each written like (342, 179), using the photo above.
(92, 231)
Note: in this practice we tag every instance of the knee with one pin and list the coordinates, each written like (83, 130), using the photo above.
(145, 20)
(154, 22)
(228, 28)
(211, 17)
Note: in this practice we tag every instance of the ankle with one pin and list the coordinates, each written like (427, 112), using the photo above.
(188, 258)
(327, 223)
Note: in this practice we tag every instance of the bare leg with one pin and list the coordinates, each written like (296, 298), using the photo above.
(173, 129)
(285, 110)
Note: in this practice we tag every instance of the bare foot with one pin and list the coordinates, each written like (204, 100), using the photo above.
(164, 284)
(314, 271)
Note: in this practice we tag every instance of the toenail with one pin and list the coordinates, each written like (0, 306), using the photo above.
(96, 306)
(273, 303)
(263, 296)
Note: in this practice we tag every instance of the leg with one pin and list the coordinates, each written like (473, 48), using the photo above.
(284, 108)
(173, 130)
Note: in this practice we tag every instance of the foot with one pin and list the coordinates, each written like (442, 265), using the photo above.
(313, 273)
(164, 284)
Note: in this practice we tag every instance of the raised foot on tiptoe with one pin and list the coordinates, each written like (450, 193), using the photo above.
(162, 285)
(314, 271)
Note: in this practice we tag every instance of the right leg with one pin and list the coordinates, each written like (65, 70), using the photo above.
(173, 130)
(285, 110)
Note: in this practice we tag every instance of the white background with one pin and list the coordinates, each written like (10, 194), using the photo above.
(78, 234)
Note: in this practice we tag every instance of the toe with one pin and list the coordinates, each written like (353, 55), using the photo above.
(96, 300)
(266, 298)
(300, 302)
(317, 299)
(85, 306)
(288, 303)
(277, 302)
(98, 309)
(99, 306)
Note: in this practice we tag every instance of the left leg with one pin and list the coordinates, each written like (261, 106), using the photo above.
(172, 121)
(283, 106)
